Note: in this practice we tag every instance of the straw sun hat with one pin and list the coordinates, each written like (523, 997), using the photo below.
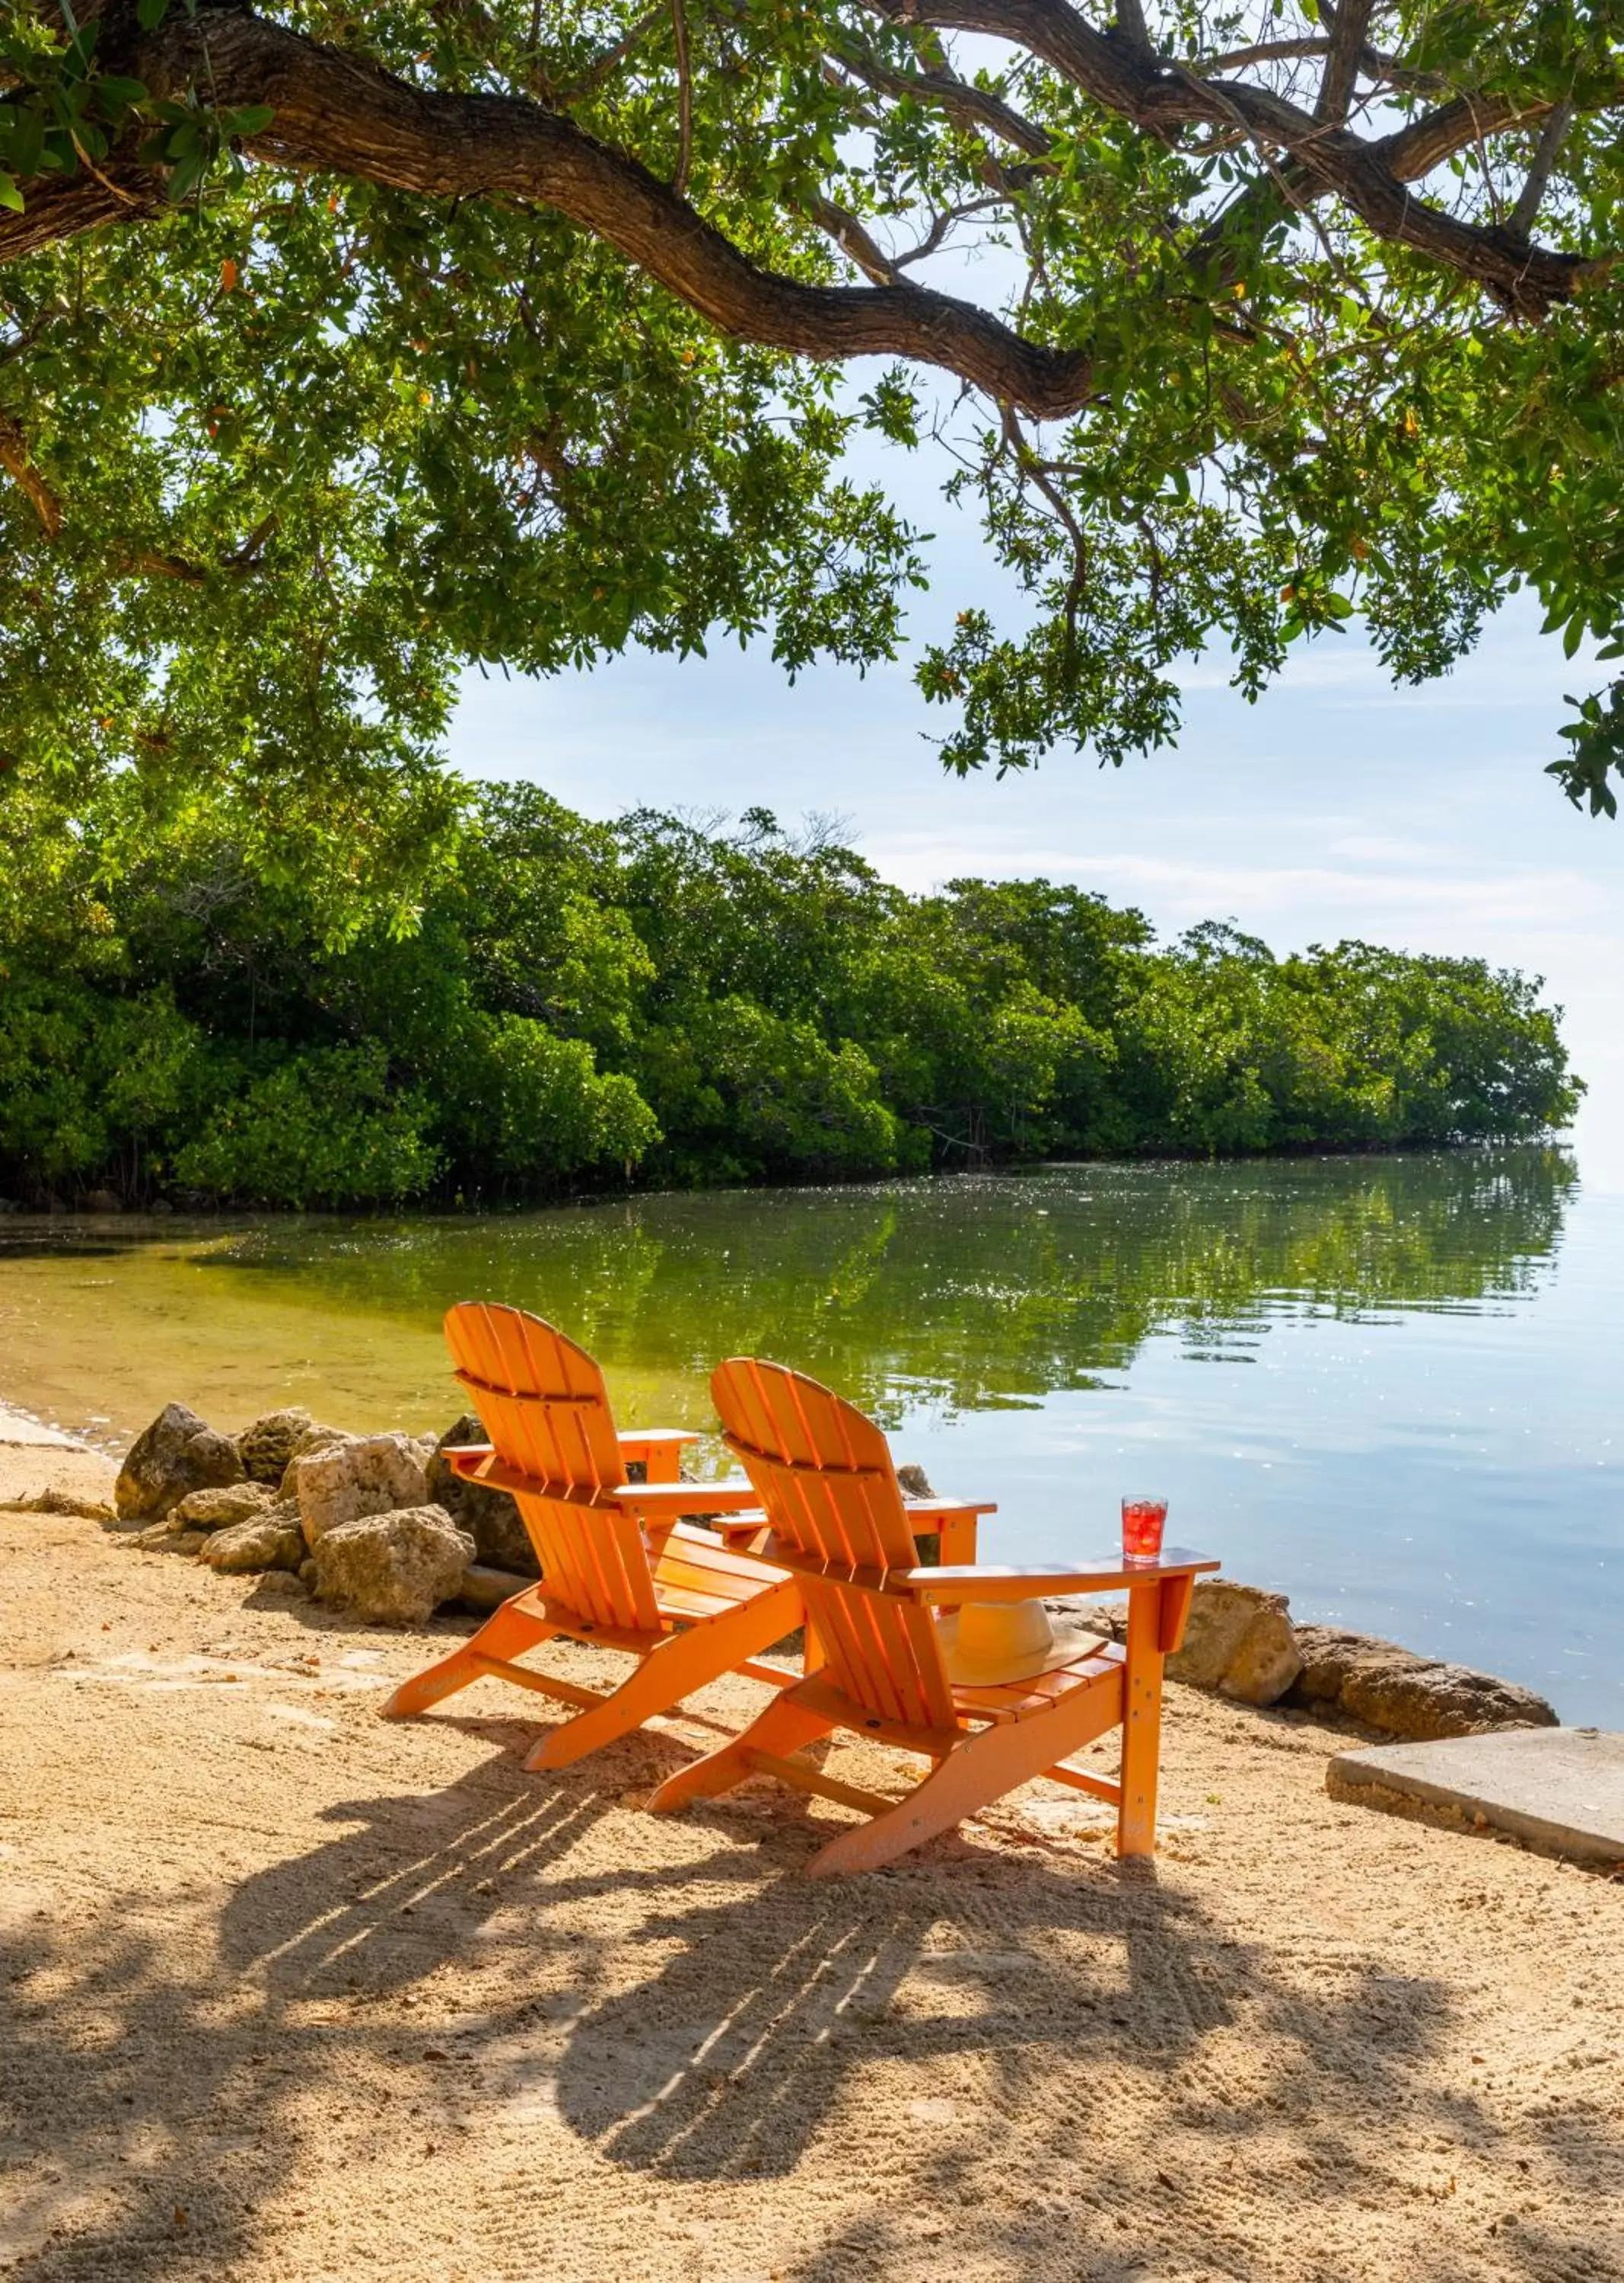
(986, 1643)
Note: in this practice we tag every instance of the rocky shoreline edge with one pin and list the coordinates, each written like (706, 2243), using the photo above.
(1242, 1644)
(380, 1525)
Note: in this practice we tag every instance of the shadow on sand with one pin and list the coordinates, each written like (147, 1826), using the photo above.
(693, 2041)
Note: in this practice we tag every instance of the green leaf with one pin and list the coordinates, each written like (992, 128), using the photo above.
(123, 94)
(184, 177)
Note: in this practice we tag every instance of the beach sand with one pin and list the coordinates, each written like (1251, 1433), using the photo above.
(291, 1993)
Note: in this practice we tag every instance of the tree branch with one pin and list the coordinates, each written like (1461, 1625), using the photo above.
(685, 99)
(1261, 51)
(1425, 142)
(1162, 97)
(338, 114)
(1386, 70)
(852, 240)
(1132, 27)
(957, 97)
(14, 458)
(1521, 218)
(61, 205)
(1348, 26)
(154, 565)
(942, 223)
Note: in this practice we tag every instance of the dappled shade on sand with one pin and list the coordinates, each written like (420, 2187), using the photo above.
(291, 1991)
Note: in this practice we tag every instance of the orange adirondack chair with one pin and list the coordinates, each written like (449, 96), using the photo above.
(620, 1567)
(825, 1479)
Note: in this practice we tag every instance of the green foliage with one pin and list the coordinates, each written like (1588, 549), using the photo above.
(745, 1093)
(286, 451)
(519, 1099)
(323, 1129)
(1224, 1048)
(87, 1079)
(1596, 746)
(579, 1005)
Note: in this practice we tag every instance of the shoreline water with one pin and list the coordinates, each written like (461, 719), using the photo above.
(23, 1429)
(1382, 1387)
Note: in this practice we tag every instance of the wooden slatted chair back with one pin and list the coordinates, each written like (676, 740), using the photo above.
(824, 1475)
(545, 1408)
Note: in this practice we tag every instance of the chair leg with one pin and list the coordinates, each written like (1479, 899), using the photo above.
(974, 1774)
(673, 1671)
(507, 1633)
(1140, 1722)
(783, 1728)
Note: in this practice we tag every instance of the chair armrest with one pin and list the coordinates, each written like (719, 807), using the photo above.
(738, 1530)
(658, 1451)
(995, 1583)
(652, 1499)
(477, 1462)
(632, 1446)
(952, 1522)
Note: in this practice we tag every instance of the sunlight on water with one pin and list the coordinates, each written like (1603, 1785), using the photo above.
(1384, 1385)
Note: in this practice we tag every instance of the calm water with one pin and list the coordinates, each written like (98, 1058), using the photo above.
(1386, 1387)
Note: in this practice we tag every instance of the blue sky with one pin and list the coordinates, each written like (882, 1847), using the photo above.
(1337, 806)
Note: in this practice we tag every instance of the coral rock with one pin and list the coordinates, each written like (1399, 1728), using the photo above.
(486, 1589)
(218, 1510)
(1403, 1695)
(490, 1517)
(269, 1540)
(266, 1445)
(1240, 1642)
(395, 1567)
(162, 1538)
(179, 1452)
(348, 1480)
(315, 1437)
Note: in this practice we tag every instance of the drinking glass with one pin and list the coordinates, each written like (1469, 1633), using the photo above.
(1142, 1527)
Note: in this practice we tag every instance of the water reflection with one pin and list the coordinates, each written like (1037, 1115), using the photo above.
(963, 1294)
(1419, 1440)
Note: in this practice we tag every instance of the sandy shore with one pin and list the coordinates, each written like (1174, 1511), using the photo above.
(35, 1459)
(292, 1993)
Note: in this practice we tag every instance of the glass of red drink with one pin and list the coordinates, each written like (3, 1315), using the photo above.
(1142, 1527)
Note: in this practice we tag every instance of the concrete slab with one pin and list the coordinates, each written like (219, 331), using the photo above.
(1559, 1790)
(17, 1427)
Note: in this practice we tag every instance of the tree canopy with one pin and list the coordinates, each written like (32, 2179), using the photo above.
(582, 1004)
(340, 346)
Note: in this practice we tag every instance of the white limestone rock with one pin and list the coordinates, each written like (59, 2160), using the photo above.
(395, 1567)
(348, 1480)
